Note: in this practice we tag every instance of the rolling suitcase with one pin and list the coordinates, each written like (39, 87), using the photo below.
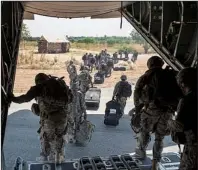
(112, 113)
(98, 78)
(92, 97)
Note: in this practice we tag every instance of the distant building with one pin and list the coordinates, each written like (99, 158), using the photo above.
(46, 45)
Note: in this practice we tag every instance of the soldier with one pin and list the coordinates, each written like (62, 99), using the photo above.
(115, 57)
(126, 54)
(103, 68)
(85, 59)
(158, 100)
(121, 91)
(185, 123)
(110, 65)
(97, 57)
(84, 79)
(78, 107)
(134, 57)
(71, 69)
(53, 96)
(92, 63)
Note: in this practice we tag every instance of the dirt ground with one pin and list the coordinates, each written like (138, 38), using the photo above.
(25, 77)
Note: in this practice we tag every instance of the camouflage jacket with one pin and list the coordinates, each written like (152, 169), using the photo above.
(86, 78)
(117, 88)
(50, 97)
(71, 69)
(78, 104)
(186, 119)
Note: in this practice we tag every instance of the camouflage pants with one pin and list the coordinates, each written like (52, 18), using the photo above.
(122, 102)
(52, 138)
(153, 120)
(73, 78)
(189, 158)
(84, 88)
(77, 121)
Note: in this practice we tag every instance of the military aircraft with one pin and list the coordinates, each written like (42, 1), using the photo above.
(171, 28)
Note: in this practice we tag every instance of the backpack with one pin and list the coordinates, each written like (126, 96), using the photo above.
(84, 134)
(83, 76)
(92, 60)
(54, 99)
(162, 88)
(110, 62)
(125, 89)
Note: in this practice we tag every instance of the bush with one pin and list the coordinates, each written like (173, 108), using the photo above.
(124, 48)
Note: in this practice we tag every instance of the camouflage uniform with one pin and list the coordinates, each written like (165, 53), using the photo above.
(53, 115)
(97, 57)
(85, 59)
(121, 100)
(71, 69)
(53, 118)
(186, 122)
(78, 106)
(153, 118)
(84, 82)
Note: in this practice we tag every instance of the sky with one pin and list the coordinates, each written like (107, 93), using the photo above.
(55, 28)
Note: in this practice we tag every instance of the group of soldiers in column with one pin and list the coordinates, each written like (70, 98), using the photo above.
(79, 84)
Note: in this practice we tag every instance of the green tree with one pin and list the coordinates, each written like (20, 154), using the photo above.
(25, 33)
(137, 38)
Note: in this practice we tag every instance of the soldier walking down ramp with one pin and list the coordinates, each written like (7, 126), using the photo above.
(85, 80)
(184, 127)
(71, 69)
(159, 93)
(121, 91)
(78, 107)
(53, 96)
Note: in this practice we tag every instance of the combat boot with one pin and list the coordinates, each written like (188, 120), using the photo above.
(140, 153)
(59, 158)
(154, 164)
(42, 157)
(51, 157)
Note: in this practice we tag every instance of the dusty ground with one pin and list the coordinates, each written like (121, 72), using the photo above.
(25, 76)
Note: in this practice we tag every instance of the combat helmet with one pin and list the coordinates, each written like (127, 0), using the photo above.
(154, 62)
(188, 77)
(123, 77)
(71, 62)
(41, 77)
